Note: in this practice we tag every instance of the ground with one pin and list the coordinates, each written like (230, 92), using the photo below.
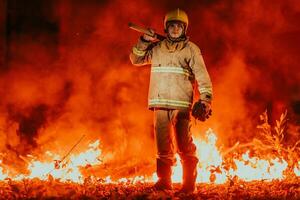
(53, 189)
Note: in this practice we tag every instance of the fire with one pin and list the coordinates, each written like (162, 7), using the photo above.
(64, 170)
(209, 159)
(297, 169)
(249, 169)
(210, 168)
(2, 175)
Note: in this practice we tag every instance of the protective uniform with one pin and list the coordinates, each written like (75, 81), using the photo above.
(175, 65)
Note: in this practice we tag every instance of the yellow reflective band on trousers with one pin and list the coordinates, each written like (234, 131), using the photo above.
(170, 102)
(138, 52)
(165, 69)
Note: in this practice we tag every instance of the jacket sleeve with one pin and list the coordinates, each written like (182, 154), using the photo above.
(201, 75)
(141, 53)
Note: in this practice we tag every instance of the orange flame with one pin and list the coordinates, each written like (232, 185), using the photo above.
(2, 174)
(69, 170)
(297, 169)
(249, 169)
(65, 171)
(210, 168)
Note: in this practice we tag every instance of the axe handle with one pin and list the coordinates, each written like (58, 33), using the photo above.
(145, 31)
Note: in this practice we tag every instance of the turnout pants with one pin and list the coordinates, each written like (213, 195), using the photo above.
(173, 126)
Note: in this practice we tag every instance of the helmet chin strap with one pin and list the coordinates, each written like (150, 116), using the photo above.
(180, 38)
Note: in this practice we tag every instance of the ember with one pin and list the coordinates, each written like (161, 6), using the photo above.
(28, 189)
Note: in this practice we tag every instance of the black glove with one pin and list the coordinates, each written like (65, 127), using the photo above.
(201, 110)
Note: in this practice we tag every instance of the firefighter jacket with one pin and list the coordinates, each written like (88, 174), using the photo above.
(174, 69)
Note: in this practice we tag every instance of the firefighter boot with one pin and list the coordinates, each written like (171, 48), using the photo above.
(189, 177)
(164, 172)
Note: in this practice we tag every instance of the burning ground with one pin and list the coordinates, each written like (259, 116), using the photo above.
(269, 170)
(97, 190)
(74, 109)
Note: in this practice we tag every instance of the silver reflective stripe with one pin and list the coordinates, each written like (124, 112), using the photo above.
(165, 69)
(169, 102)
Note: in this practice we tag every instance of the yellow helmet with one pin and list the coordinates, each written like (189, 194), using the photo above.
(176, 15)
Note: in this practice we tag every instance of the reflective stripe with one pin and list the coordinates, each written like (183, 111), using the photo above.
(169, 102)
(205, 90)
(138, 52)
(164, 69)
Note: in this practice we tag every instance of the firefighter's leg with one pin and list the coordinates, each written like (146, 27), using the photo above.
(186, 150)
(165, 149)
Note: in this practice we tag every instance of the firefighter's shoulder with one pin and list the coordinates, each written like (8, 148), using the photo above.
(193, 47)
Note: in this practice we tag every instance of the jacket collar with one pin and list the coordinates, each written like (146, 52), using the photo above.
(172, 46)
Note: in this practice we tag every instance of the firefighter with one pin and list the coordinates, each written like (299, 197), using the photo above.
(176, 63)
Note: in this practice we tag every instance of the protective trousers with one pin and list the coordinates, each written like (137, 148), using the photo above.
(170, 125)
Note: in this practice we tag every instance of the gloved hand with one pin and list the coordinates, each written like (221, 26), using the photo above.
(148, 38)
(201, 110)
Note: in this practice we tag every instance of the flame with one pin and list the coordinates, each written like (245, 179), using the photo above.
(66, 171)
(2, 174)
(297, 169)
(249, 169)
(209, 159)
(210, 167)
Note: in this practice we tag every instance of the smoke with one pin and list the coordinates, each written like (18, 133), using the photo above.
(69, 73)
(251, 52)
